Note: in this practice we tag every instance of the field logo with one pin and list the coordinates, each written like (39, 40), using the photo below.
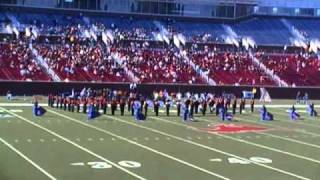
(233, 128)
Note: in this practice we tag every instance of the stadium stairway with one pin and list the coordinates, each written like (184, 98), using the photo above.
(44, 65)
(268, 71)
(201, 73)
(131, 76)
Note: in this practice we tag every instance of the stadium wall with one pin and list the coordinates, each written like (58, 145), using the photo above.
(19, 88)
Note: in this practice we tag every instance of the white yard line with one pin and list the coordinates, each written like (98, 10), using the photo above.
(28, 159)
(142, 146)
(21, 104)
(76, 145)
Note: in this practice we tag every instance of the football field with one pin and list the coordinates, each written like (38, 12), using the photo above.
(62, 145)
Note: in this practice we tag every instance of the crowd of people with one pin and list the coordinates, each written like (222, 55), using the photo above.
(163, 65)
(95, 62)
(122, 27)
(295, 69)
(77, 62)
(80, 54)
(17, 62)
(230, 68)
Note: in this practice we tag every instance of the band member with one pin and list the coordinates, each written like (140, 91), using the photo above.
(72, 105)
(293, 114)
(65, 104)
(191, 109)
(49, 100)
(211, 104)
(145, 106)
(218, 106)
(69, 104)
(252, 105)
(96, 104)
(35, 108)
(185, 110)
(78, 105)
(52, 101)
(130, 101)
(265, 115)
(204, 107)
(311, 111)
(85, 106)
(137, 107)
(226, 104)
(122, 105)
(234, 105)
(61, 102)
(196, 105)
(104, 105)
(156, 107)
(178, 107)
(244, 104)
(241, 107)
(168, 106)
(57, 101)
(131, 107)
(113, 106)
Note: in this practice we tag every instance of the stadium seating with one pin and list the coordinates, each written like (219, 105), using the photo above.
(84, 59)
(82, 63)
(18, 63)
(264, 31)
(308, 27)
(294, 69)
(229, 68)
(158, 66)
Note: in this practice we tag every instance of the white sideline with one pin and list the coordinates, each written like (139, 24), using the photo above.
(27, 159)
(20, 104)
(75, 144)
(140, 145)
(212, 149)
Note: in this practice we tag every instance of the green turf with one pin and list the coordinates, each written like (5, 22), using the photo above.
(166, 147)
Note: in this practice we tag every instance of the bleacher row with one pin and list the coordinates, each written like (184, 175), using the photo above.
(264, 30)
(84, 60)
